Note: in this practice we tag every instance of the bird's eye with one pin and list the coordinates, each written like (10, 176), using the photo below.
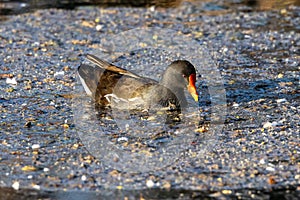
(184, 76)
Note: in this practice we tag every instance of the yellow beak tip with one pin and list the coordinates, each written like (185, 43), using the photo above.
(195, 96)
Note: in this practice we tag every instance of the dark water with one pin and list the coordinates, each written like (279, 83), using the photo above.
(16, 7)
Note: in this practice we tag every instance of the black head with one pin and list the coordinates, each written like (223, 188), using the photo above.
(181, 74)
(184, 67)
(178, 73)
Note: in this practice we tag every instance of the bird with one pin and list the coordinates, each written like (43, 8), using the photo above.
(112, 86)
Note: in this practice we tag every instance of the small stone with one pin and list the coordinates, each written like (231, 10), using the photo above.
(281, 100)
(27, 87)
(267, 125)
(46, 169)
(276, 124)
(283, 11)
(11, 89)
(149, 183)
(35, 152)
(75, 146)
(61, 73)
(122, 139)
(28, 168)
(235, 105)
(89, 24)
(143, 44)
(6, 75)
(231, 82)
(11, 81)
(16, 185)
(280, 75)
(83, 178)
(272, 181)
(151, 118)
(127, 127)
(114, 173)
(152, 8)
(119, 187)
(262, 161)
(201, 129)
(35, 146)
(66, 126)
(271, 169)
(99, 27)
(167, 185)
(66, 68)
(226, 191)
(37, 187)
(216, 195)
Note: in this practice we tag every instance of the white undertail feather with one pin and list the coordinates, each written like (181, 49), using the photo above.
(86, 88)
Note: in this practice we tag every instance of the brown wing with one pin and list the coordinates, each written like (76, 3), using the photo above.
(108, 66)
(106, 79)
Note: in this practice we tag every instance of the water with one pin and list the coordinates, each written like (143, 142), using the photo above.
(256, 149)
(215, 8)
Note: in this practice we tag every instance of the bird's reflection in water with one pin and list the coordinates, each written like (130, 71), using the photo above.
(150, 129)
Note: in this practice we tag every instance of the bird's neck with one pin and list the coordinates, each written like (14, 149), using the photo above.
(177, 91)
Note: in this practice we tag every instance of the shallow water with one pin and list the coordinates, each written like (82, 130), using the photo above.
(251, 147)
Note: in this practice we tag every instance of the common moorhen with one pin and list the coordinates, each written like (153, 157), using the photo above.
(110, 85)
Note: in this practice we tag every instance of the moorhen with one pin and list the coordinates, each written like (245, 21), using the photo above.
(112, 86)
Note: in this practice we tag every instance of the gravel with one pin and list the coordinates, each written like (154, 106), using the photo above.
(255, 153)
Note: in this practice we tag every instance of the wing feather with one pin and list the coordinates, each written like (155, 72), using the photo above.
(107, 66)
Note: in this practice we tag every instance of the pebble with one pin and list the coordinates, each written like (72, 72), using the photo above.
(28, 168)
(267, 125)
(280, 100)
(262, 161)
(122, 139)
(83, 178)
(280, 76)
(37, 187)
(99, 27)
(46, 169)
(227, 192)
(272, 169)
(35, 146)
(270, 125)
(167, 185)
(152, 8)
(16, 185)
(149, 183)
(61, 73)
(235, 105)
(11, 81)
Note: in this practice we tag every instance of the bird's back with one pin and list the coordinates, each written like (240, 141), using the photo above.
(105, 82)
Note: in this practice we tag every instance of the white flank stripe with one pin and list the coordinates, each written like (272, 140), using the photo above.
(86, 88)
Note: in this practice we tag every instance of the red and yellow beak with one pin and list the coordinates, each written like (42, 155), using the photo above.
(192, 88)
